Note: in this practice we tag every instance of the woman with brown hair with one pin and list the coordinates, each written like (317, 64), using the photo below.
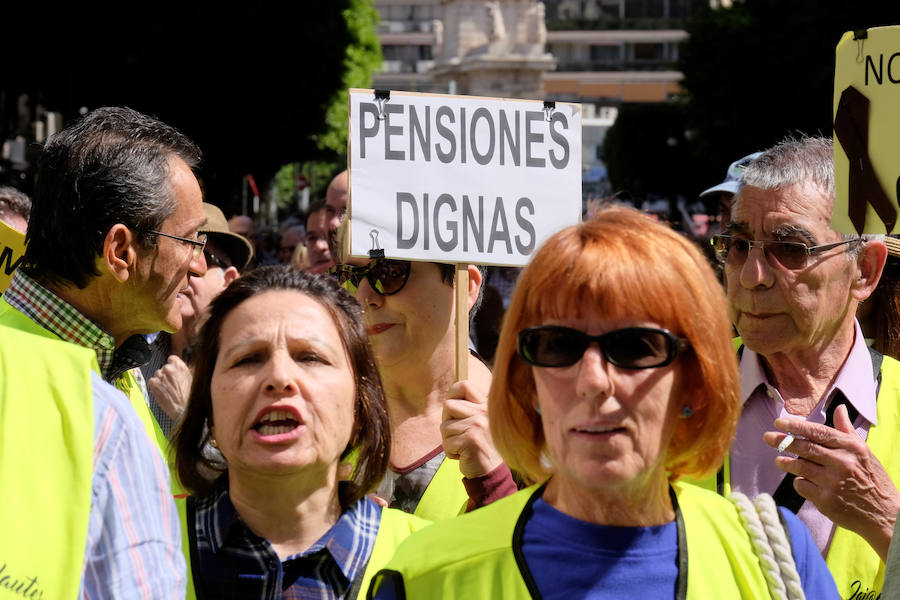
(614, 378)
(285, 387)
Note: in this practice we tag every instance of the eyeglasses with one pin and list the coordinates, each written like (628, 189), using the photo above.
(386, 276)
(628, 348)
(790, 255)
(198, 245)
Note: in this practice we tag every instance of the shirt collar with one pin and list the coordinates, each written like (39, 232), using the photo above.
(348, 541)
(61, 318)
(222, 517)
(855, 379)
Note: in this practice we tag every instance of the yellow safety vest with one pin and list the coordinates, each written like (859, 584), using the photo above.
(11, 317)
(445, 497)
(479, 554)
(46, 464)
(857, 569)
(394, 527)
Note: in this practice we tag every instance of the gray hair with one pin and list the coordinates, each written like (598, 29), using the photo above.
(791, 161)
(795, 160)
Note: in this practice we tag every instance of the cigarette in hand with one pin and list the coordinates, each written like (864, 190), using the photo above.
(785, 443)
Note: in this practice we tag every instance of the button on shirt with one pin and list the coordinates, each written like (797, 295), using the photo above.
(234, 562)
(753, 469)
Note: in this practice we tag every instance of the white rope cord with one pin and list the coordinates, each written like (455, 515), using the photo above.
(768, 515)
(761, 546)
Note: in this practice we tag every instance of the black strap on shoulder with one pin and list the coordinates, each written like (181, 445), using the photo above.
(356, 584)
(518, 533)
(877, 358)
(394, 580)
(681, 580)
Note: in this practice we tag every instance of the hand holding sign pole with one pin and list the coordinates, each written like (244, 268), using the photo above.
(461, 179)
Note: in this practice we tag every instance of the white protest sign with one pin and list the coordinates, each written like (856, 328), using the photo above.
(461, 179)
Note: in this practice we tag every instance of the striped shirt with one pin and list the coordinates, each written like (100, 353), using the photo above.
(134, 536)
(233, 562)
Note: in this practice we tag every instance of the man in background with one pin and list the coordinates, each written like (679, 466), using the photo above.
(167, 373)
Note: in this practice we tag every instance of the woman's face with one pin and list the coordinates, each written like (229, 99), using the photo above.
(605, 426)
(415, 324)
(283, 390)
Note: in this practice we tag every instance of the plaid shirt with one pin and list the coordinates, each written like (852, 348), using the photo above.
(61, 318)
(233, 562)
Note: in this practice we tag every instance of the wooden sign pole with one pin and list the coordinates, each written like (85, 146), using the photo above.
(462, 321)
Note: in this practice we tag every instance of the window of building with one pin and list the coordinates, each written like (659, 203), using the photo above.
(649, 52)
(645, 9)
(605, 53)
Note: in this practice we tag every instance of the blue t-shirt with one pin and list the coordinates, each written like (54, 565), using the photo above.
(569, 558)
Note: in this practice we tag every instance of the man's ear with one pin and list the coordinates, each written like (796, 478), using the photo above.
(230, 274)
(475, 281)
(119, 252)
(870, 264)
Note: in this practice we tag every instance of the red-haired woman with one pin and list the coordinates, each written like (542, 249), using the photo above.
(615, 377)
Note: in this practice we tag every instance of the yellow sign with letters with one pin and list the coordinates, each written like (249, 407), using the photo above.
(12, 248)
(867, 131)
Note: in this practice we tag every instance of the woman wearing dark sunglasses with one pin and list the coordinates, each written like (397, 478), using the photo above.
(409, 309)
(614, 379)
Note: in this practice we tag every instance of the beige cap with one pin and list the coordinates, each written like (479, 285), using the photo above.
(237, 247)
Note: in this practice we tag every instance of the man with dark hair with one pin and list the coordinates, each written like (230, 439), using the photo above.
(15, 207)
(112, 241)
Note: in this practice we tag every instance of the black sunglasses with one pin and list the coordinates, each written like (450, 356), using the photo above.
(386, 276)
(790, 255)
(213, 260)
(629, 348)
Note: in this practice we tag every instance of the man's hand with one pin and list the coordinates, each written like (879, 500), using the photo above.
(465, 431)
(838, 473)
(171, 386)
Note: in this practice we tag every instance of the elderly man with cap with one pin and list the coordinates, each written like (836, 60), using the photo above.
(167, 373)
(724, 192)
(793, 287)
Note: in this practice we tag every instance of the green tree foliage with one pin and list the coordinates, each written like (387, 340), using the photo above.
(763, 69)
(362, 59)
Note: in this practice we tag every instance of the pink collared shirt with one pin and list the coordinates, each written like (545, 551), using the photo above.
(753, 469)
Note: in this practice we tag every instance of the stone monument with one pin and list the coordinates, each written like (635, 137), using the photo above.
(492, 48)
